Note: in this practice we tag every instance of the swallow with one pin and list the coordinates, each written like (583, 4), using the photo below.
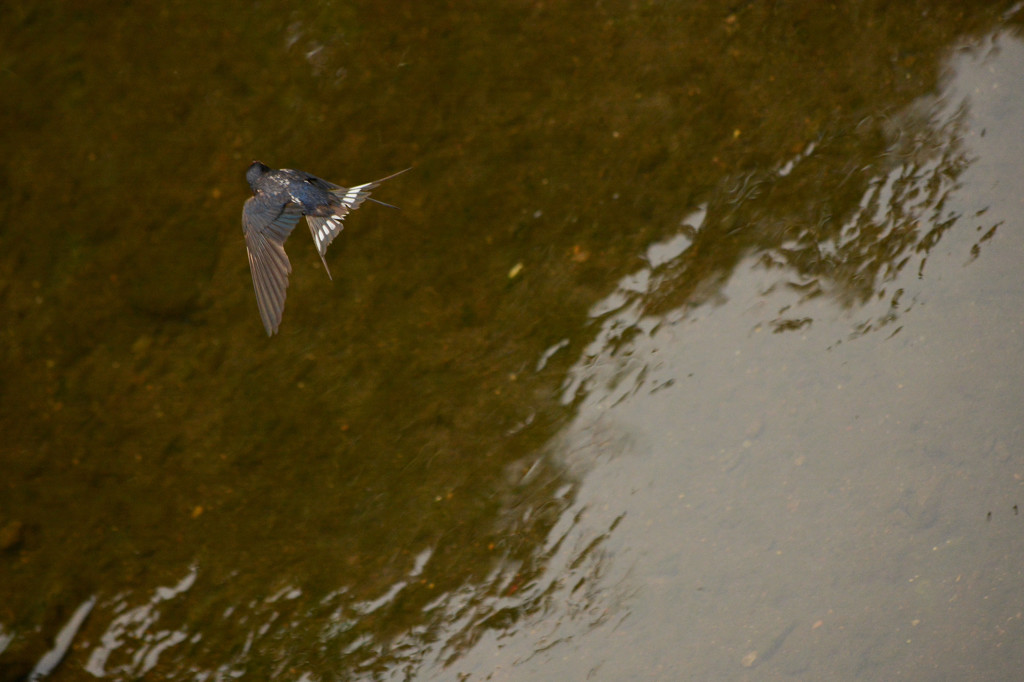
(280, 198)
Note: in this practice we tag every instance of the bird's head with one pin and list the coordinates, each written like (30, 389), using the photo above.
(255, 172)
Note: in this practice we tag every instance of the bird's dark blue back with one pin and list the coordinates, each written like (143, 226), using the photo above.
(278, 187)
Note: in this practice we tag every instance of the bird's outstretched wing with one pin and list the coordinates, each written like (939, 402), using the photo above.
(266, 227)
(328, 224)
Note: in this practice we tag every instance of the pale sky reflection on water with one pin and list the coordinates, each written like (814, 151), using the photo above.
(807, 504)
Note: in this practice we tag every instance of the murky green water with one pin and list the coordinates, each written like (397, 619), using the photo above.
(695, 350)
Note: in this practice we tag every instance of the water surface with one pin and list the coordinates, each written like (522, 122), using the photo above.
(694, 352)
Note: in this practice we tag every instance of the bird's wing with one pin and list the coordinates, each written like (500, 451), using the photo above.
(266, 227)
(328, 224)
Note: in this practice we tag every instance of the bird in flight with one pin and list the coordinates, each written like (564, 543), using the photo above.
(280, 198)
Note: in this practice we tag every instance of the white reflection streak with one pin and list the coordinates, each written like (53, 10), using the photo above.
(134, 624)
(146, 659)
(575, 578)
(366, 607)
(52, 658)
(546, 355)
(598, 361)
(287, 593)
(669, 249)
(788, 166)
(620, 312)
(419, 563)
